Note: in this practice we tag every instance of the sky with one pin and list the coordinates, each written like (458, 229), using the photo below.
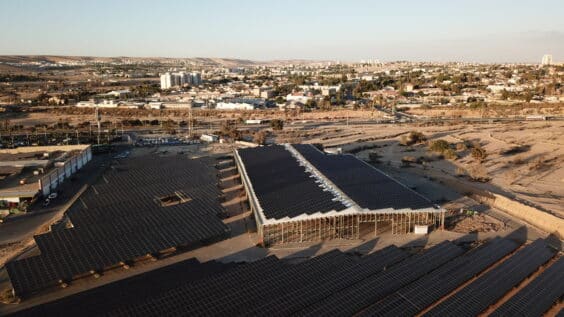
(417, 30)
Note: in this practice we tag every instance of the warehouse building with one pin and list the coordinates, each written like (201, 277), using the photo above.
(28, 172)
(298, 194)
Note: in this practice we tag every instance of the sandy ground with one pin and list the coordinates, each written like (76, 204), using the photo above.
(533, 174)
(76, 116)
(491, 111)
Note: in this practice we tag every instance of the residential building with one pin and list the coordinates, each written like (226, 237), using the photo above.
(546, 60)
(169, 80)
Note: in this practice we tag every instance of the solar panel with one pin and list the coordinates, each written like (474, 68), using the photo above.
(362, 294)
(176, 300)
(283, 187)
(118, 220)
(303, 295)
(491, 286)
(276, 284)
(331, 284)
(538, 296)
(365, 185)
(410, 300)
(133, 289)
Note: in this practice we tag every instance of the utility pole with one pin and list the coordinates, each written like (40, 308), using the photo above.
(190, 123)
(97, 117)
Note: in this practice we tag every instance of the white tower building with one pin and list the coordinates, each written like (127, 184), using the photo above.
(546, 60)
(166, 81)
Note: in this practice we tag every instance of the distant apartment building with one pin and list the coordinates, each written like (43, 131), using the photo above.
(324, 89)
(263, 92)
(169, 80)
(546, 60)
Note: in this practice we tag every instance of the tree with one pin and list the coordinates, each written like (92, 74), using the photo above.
(229, 129)
(260, 137)
(311, 104)
(277, 124)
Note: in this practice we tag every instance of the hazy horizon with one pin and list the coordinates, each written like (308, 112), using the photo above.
(465, 31)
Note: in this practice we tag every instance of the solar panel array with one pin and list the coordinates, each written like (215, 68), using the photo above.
(176, 300)
(120, 219)
(283, 187)
(136, 288)
(301, 296)
(365, 185)
(388, 282)
(415, 297)
(491, 286)
(538, 296)
(362, 294)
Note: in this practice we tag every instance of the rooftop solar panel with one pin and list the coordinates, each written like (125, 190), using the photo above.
(364, 184)
(283, 187)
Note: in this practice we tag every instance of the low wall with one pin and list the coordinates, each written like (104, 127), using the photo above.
(531, 215)
(49, 148)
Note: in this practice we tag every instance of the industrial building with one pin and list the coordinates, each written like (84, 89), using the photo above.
(298, 193)
(28, 172)
(240, 104)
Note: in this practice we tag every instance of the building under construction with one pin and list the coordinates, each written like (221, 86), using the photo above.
(298, 193)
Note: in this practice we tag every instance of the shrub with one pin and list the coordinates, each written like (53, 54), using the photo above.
(478, 173)
(374, 157)
(439, 146)
(412, 137)
(479, 153)
(450, 154)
